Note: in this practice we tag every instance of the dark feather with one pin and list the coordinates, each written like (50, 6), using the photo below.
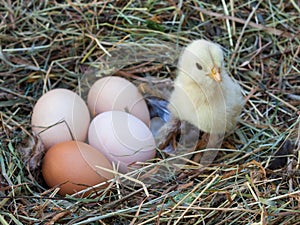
(158, 108)
(280, 157)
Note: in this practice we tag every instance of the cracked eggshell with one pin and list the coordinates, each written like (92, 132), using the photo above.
(122, 138)
(72, 166)
(116, 93)
(60, 115)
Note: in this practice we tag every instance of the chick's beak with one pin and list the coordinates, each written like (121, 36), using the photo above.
(216, 74)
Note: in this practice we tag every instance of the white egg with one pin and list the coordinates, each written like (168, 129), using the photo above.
(122, 138)
(60, 115)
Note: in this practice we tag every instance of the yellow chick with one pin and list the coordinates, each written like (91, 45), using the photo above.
(204, 94)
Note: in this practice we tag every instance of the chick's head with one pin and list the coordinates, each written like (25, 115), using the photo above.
(203, 62)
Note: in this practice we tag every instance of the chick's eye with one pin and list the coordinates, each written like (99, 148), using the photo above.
(199, 67)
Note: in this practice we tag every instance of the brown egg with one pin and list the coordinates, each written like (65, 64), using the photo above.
(60, 115)
(116, 93)
(72, 166)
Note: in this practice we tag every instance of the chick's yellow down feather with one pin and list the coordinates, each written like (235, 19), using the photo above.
(204, 94)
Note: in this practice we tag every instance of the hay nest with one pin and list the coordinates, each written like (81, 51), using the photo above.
(51, 44)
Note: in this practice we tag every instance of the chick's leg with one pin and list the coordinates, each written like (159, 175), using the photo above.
(189, 137)
(186, 135)
(214, 143)
(166, 132)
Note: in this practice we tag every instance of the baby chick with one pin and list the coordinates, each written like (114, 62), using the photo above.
(204, 94)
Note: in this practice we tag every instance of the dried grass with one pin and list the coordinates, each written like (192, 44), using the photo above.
(49, 44)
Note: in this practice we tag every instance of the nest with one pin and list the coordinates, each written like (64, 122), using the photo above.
(255, 177)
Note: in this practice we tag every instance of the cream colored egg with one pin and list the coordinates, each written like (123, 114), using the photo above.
(60, 115)
(122, 138)
(116, 93)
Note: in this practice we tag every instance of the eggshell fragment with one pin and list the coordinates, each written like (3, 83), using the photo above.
(122, 138)
(72, 166)
(60, 115)
(116, 93)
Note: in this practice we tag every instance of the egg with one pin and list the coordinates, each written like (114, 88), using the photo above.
(72, 166)
(122, 138)
(60, 115)
(116, 93)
